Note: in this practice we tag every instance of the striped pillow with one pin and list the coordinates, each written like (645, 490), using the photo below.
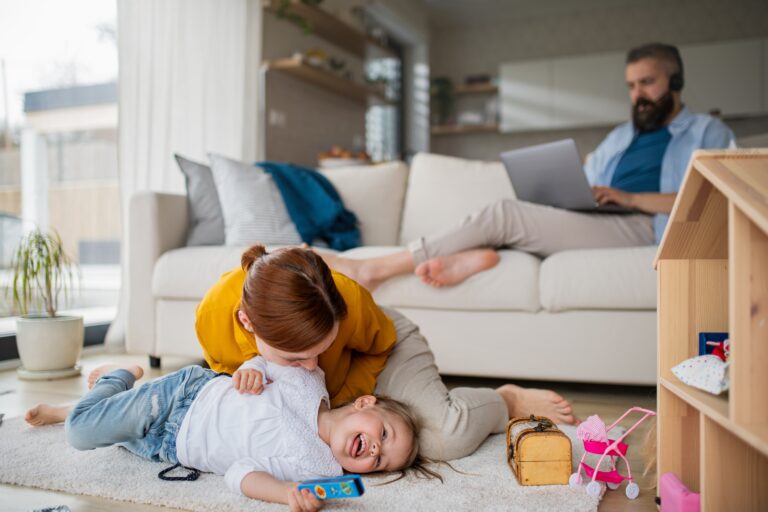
(251, 204)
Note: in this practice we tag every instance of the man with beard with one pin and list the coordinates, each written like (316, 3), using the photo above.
(639, 165)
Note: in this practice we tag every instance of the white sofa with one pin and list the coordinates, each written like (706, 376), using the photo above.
(586, 315)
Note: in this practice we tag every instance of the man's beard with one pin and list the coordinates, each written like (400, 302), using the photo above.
(655, 116)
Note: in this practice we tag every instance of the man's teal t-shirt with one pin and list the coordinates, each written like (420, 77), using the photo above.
(639, 169)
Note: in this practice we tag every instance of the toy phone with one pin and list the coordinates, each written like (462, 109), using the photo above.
(347, 486)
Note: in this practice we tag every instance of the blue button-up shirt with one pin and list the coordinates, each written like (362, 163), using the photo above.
(689, 133)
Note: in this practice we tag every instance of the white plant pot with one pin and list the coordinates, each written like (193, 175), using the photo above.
(49, 347)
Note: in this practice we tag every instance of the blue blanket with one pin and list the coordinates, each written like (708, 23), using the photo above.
(314, 206)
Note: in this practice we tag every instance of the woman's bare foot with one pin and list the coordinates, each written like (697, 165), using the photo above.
(540, 402)
(453, 269)
(44, 414)
(137, 372)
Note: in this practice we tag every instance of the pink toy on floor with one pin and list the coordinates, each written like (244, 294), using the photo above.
(675, 497)
(594, 435)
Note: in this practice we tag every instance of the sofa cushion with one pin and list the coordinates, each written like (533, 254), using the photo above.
(253, 208)
(512, 285)
(375, 194)
(621, 278)
(206, 223)
(442, 190)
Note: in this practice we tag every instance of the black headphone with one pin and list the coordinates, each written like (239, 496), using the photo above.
(676, 80)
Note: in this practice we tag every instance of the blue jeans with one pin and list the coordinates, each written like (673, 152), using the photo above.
(145, 420)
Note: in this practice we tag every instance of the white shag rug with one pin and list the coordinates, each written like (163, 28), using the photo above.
(39, 457)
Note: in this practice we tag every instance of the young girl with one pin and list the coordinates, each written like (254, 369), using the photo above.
(263, 444)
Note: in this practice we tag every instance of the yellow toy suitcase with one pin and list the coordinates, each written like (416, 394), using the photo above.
(538, 452)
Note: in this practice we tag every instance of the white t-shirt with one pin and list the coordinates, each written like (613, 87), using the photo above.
(232, 434)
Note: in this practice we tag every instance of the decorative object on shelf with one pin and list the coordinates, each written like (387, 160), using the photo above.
(708, 342)
(441, 93)
(708, 372)
(49, 344)
(594, 434)
(482, 78)
(538, 452)
(470, 117)
(337, 156)
(284, 11)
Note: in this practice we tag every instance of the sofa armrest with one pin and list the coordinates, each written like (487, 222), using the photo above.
(157, 223)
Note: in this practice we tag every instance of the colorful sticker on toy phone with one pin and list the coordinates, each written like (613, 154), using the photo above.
(346, 488)
(320, 492)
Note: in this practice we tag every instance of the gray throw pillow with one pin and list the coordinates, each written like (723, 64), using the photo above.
(206, 223)
(253, 209)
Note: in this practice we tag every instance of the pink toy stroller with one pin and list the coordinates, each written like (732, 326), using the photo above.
(594, 434)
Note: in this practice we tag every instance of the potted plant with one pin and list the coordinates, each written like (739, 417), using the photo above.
(49, 344)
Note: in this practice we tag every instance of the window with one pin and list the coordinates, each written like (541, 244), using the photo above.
(58, 139)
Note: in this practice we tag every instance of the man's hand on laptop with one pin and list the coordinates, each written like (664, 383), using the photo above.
(605, 195)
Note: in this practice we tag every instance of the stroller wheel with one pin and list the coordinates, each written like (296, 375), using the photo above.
(612, 486)
(575, 480)
(594, 488)
(633, 490)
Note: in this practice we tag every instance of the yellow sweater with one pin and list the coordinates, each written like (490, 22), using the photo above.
(352, 363)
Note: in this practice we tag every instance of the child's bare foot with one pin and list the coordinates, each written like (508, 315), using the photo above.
(540, 402)
(44, 414)
(453, 269)
(137, 372)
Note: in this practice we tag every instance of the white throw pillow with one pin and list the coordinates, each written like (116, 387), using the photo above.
(253, 209)
(442, 190)
(375, 193)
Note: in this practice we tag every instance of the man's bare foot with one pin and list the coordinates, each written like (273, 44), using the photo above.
(44, 414)
(137, 372)
(453, 269)
(540, 402)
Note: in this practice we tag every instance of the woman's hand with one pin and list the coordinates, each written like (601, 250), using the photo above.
(248, 380)
(303, 501)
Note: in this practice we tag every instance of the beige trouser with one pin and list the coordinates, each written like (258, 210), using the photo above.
(536, 229)
(455, 422)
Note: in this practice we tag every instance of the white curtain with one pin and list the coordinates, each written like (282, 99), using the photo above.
(188, 85)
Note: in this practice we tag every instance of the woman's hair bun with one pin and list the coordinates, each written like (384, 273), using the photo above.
(251, 254)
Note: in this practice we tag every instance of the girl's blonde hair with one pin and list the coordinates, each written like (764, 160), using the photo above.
(415, 462)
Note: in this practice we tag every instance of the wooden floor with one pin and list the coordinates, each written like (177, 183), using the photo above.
(16, 396)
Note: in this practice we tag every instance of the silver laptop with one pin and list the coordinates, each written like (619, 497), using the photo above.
(552, 174)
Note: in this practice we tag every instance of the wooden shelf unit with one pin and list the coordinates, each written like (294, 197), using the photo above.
(713, 276)
(476, 89)
(327, 80)
(332, 29)
(457, 129)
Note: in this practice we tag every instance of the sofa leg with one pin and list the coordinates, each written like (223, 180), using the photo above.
(154, 362)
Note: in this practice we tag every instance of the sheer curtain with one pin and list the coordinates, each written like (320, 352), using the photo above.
(188, 84)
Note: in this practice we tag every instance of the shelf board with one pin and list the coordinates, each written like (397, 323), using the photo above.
(332, 29)
(716, 408)
(463, 129)
(327, 80)
(476, 89)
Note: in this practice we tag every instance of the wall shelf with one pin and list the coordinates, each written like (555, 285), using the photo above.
(463, 129)
(300, 69)
(332, 29)
(713, 276)
(476, 89)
